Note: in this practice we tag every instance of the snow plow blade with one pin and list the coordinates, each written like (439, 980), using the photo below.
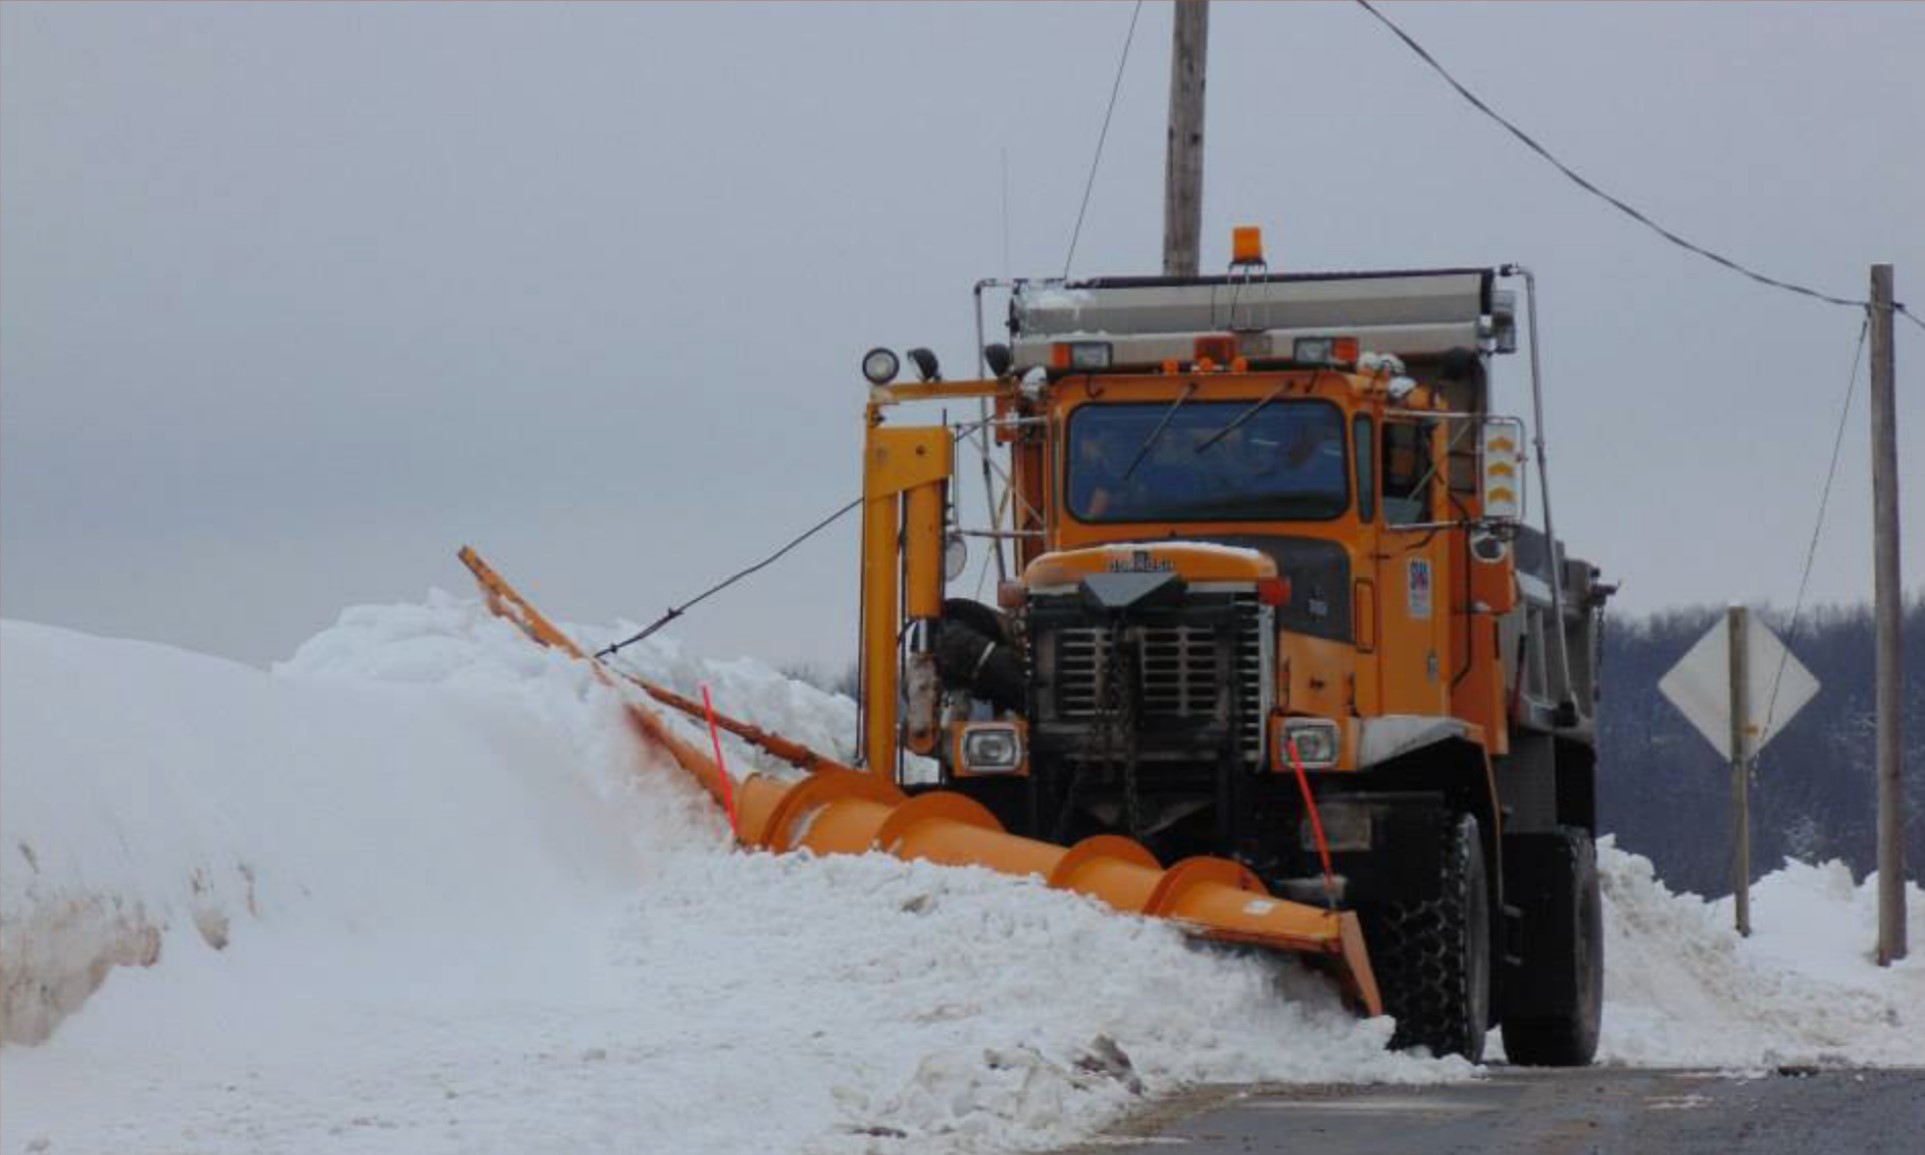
(837, 809)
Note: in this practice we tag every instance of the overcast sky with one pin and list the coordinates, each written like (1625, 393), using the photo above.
(297, 299)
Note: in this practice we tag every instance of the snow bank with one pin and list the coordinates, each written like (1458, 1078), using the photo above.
(1683, 989)
(451, 642)
(416, 890)
(148, 790)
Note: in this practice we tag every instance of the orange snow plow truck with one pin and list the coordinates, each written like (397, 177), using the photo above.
(1267, 611)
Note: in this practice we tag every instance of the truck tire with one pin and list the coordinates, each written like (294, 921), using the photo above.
(1433, 958)
(1567, 1037)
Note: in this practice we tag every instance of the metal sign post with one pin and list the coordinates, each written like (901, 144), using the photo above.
(1737, 620)
(1736, 672)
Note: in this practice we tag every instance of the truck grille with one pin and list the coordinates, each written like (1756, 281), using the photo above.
(1177, 668)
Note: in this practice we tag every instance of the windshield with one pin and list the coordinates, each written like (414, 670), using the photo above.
(1284, 461)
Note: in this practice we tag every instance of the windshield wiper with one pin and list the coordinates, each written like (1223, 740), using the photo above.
(1237, 421)
(1149, 441)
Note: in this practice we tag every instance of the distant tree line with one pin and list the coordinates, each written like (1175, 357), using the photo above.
(1667, 793)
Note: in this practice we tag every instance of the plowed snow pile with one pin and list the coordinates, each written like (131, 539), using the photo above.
(1682, 989)
(418, 890)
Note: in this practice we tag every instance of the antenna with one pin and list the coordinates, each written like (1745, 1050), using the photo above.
(1006, 272)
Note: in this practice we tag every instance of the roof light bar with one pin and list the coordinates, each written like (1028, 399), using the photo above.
(1216, 348)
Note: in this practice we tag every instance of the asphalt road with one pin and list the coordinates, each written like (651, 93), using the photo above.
(1551, 1113)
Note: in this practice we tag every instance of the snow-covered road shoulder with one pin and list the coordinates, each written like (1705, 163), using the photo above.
(419, 890)
(150, 792)
(1682, 989)
(453, 908)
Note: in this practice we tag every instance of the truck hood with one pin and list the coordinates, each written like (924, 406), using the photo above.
(1194, 561)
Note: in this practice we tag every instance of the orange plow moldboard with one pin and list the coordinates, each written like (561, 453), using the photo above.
(840, 810)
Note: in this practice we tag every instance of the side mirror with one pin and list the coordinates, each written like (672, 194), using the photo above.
(1500, 475)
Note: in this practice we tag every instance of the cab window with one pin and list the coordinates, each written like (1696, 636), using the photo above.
(1407, 472)
(1207, 461)
(1364, 433)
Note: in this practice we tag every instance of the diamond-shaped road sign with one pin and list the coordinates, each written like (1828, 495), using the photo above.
(1700, 686)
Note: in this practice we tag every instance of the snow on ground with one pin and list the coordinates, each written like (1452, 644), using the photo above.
(418, 890)
(1683, 989)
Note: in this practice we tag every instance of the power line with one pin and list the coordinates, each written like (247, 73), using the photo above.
(674, 612)
(1614, 202)
(1811, 552)
(1115, 87)
(1824, 499)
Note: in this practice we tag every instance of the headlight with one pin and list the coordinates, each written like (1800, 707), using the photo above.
(880, 366)
(1315, 739)
(994, 748)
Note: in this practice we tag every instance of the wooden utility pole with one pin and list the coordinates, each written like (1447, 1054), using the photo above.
(1738, 630)
(1888, 607)
(1183, 170)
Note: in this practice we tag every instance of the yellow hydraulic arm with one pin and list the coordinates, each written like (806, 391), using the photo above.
(840, 810)
(904, 474)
